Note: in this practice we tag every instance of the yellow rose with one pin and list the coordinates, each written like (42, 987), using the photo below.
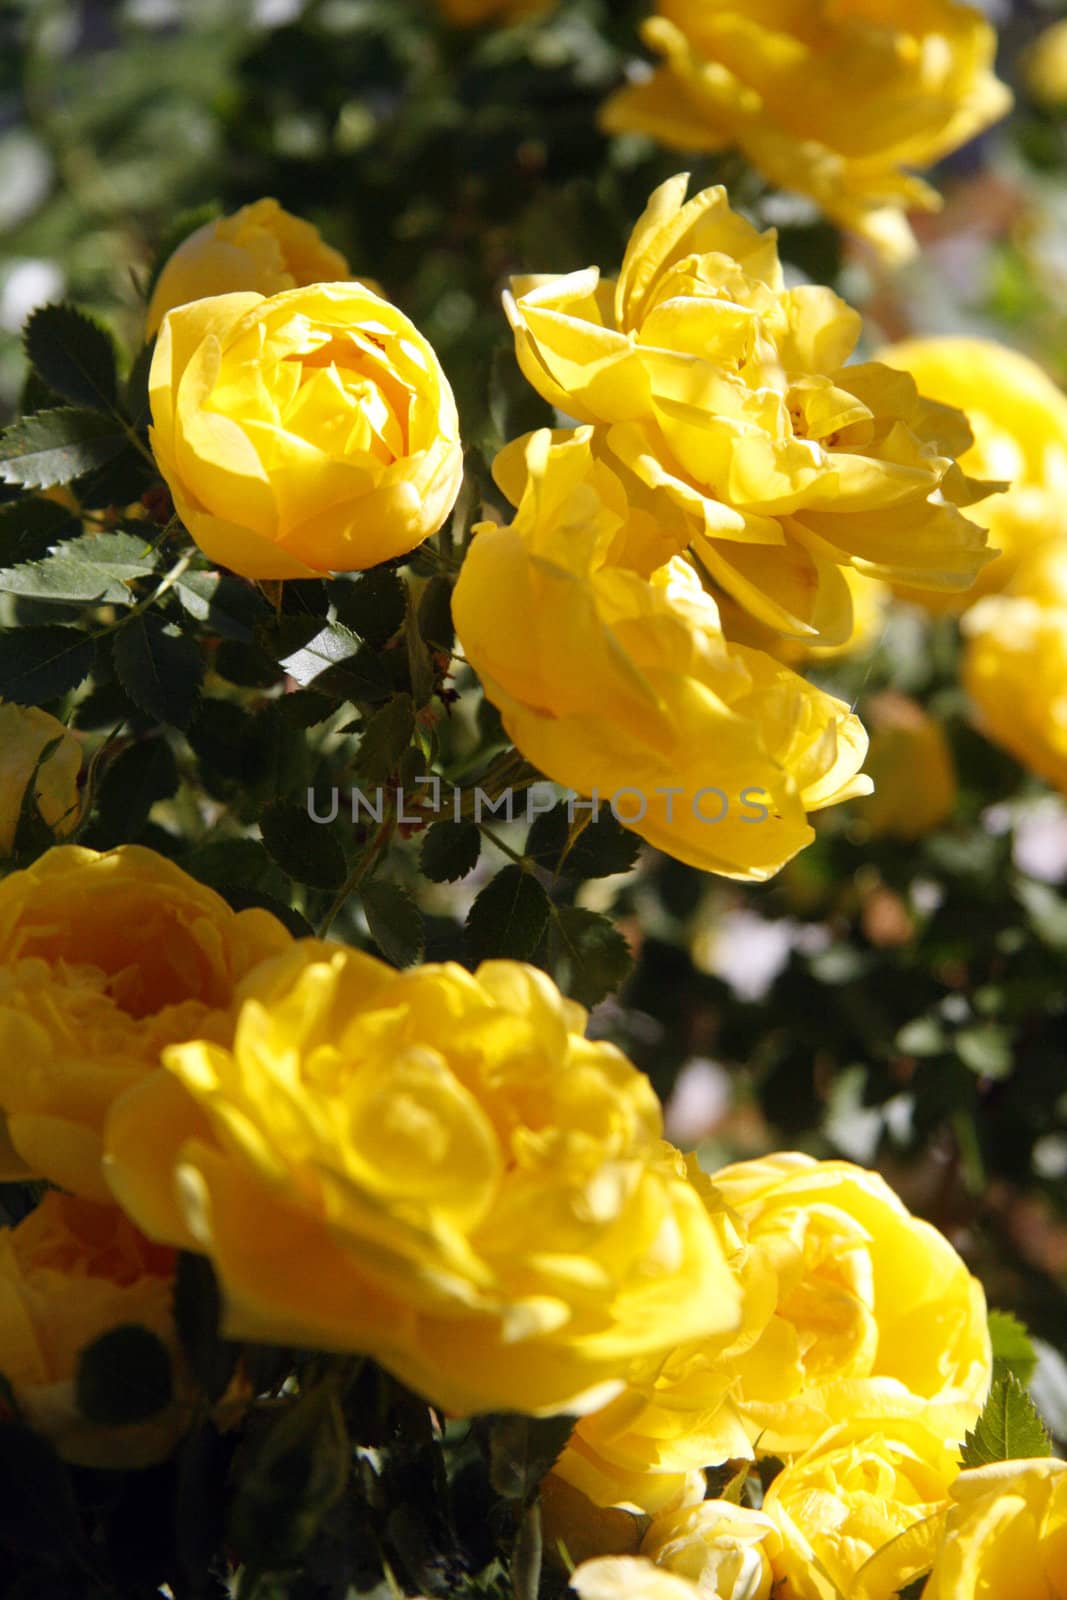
(261, 248)
(860, 1512)
(836, 101)
(1005, 1534)
(69, 1272)
(25, 732)
(432, 1167)
(851, 1307)
(1019, 420)
(713, 1550)
(912, 768)
(103, 960)
(467, 13)
(1015, 664)
(620, 685)
(1045, 66)
(724, 402)
(308, 432)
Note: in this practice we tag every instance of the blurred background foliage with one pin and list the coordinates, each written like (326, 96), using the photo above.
(900, 1002)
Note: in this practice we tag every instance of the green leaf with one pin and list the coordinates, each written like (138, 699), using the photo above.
(522, 1450)
(39, 664)
(386, 736)
(508, 918)
(136, 780)
(123, 1376)
(73, 354)
(600, 848)
(450, 850)
(914, 1590)
(293, 1473)
(160, 668)
(985, 1048)
(420, 663)
(57, 446)
(137, 403)
(198, 1315)
(311, 852)
(29, 527)
(331, 658)
(395, 922)
(1009, 1428)
(224, 605)
(435, 614)
(92, 570)
(32, 833)
(1013, 1349)
(591, 956)
(923, 1036)
(373, 606)
(1046, 911)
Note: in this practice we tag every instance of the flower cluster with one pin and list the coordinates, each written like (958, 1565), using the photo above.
(837, 101)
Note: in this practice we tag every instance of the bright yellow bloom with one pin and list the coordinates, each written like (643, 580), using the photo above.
(851, 1307)
(860, 1512)
(1045, 66)
(432, 1167)
(103, 960)
(309, 432)
(1005, 1534)
(617, 681)
(911, 764)
(468, 13)
(838, 101)
(715, 1549)
(724, 401)
(1019, 420)
(261, 248)
(25, 732)
(70, 1272)
(1015, 664)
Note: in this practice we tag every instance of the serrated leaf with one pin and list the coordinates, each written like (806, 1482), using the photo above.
(160, 668)
(395, 922)
(1013, 1349)
(57, 446)
(30, 526)
(39, 664)
(373, 606)
(592, 957)
(332, 659)
(92, 570)
(308, 851)
(522, 1450)
(137, 402)
(450, 850)
(603, 848)
(224, 605)
(386, 736)
(73, 354)
(508, 918)
(136, 780)
(292, 1475)
(123, 1376)
(1009, 1428)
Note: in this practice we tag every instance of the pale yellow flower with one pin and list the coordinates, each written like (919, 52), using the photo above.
(725, 404)
(308, 432)
(840, 102)
(432, 1167)
(617, 682)
(103, 960)
(25, 733)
